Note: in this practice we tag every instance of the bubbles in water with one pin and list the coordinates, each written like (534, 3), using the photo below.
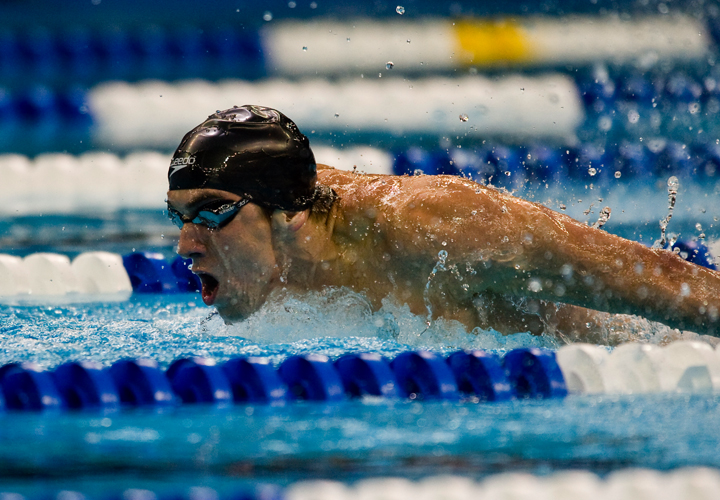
(605, 123)
(389, 65)
(618, 174)
(400, 9)
(534, 285)
(267, 16)
(464, 117)
(592, 171)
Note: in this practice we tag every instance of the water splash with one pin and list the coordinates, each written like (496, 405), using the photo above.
(439, 266)
(673, 185)
(603, 218)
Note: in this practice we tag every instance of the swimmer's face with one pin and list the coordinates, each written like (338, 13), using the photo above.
(236, 262)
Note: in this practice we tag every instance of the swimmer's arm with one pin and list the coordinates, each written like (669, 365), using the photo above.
(523, 249)
(571, 262)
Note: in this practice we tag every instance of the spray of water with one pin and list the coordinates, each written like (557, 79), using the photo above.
(439, 266)
(603, 218)
(673, 186)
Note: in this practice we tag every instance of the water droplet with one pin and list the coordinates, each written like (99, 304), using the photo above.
(563, 206)
(348, 39)
(313, 5)
(337, 115)
(389, 65)
(267, 16)
(592, 171)
(673, 184)
(618, 174)
(304, 49)
(603, 218)
(464, 117)
(534, 285)
(408, 40)
(698, 226)
(292, 4)
(444, 243)
(400, 9)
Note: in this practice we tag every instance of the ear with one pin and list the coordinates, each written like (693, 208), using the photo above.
(289, 222)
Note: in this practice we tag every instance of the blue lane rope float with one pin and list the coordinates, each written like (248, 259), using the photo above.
(475, 375)
(199, 380)
(534, 373)
(425, 375)
(254, 380)
(676, 95)
(141, 382)
(617, 163)
(186, 280)
(27, 387)
(312, 377)
(148, 52)
(480, 374)
(367, 374)
(149, 272)
(85, 385)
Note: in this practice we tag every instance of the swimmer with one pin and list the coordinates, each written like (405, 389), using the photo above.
(257, 215)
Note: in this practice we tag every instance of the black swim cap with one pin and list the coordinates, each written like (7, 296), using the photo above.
(252, 151)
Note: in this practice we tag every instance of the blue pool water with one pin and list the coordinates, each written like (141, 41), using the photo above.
(225, 447)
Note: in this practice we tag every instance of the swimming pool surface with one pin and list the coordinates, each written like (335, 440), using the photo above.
(197, 445)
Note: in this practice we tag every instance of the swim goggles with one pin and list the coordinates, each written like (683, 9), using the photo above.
(212, 218)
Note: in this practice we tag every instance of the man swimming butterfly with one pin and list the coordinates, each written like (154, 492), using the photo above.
(256, 215)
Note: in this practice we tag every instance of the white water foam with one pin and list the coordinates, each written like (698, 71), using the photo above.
(342, 313)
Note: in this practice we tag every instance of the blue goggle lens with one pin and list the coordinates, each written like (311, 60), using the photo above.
(210, 218)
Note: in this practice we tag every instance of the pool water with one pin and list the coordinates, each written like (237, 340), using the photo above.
(198, 445)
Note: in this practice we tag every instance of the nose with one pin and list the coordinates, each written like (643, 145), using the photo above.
(192, 242)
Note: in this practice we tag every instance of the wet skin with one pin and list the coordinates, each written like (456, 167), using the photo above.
(509, 261)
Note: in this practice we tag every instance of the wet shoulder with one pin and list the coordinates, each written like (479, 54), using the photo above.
(343, 180)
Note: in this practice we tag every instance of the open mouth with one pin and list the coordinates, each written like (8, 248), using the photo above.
(209, 288)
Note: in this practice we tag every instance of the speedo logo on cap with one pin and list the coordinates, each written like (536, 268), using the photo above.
(181, 162)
